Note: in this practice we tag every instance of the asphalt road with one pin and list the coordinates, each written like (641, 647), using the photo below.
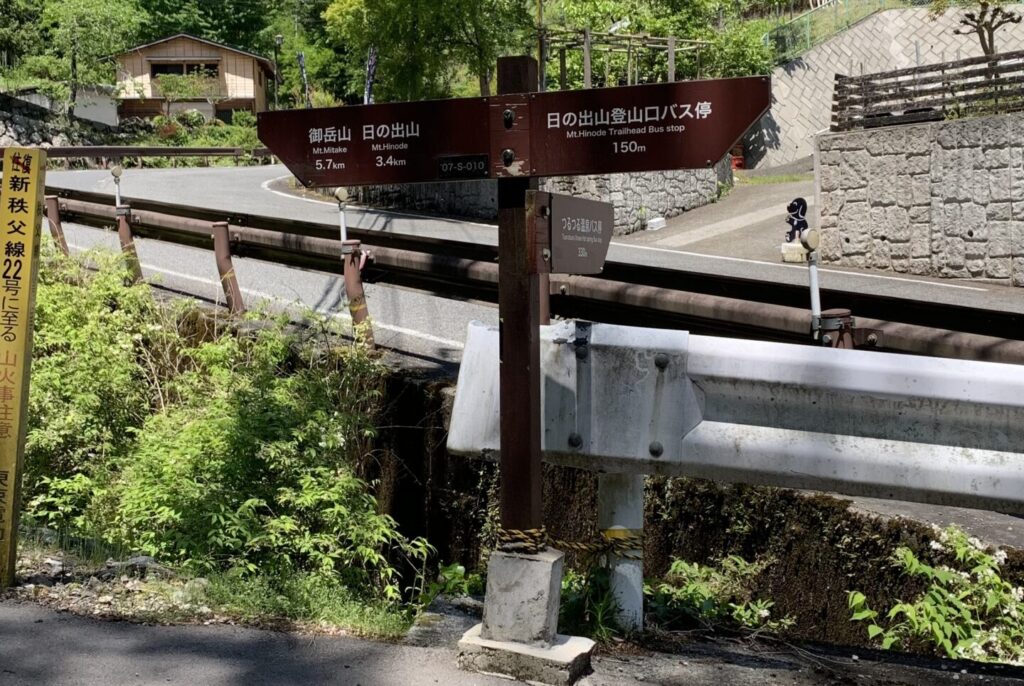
(738, 244)
(40, 647)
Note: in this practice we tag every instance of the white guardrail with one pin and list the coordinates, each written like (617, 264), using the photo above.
(649, 401)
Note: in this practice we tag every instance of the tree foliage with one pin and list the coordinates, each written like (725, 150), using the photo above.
(81, 37)
(238, 23)
(425, 48)
(19, 31)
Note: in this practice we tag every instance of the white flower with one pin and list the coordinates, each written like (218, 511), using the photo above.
(1000, 557)
(1018, 594)
(935, 545)
(764, 614)
(975, 543)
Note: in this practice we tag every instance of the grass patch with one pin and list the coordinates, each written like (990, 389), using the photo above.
(310, 601)
(745, 180)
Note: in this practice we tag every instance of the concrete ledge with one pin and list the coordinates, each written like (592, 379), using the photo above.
(564, 662)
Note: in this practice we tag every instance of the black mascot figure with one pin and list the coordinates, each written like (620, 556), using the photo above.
(797, 219)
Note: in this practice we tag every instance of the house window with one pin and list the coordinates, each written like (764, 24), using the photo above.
(156, 70)
(211, 70)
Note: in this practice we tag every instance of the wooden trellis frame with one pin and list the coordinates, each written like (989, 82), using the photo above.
(630, 44)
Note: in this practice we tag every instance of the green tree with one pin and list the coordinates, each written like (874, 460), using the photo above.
(408, 35)
(979, 17)
(19, 30)
(733, 47)
(333, 71)
(422, 45)
(239, 23)
(480, 31)
(82, 36)
(170, 17)
(180, 87)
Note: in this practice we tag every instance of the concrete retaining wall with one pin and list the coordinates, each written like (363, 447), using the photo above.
(939, 199)
(24, 123)
(894, 39)
(637, 197)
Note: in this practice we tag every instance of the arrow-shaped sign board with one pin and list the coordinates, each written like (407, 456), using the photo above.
(680, 125)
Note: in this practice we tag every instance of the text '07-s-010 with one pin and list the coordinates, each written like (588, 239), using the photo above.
(682, 125)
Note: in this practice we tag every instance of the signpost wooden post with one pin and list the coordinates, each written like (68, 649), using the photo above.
(21, 212)
(519, 312)
(516, 137)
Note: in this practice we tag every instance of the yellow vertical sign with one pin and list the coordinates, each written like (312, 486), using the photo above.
(21, 212)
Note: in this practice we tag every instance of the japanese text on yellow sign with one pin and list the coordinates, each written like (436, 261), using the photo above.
(21, 210)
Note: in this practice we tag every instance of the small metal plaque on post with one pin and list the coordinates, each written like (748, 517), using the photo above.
(580, 231)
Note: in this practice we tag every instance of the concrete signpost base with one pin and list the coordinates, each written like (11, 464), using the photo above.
(518, 635)
(564, 661)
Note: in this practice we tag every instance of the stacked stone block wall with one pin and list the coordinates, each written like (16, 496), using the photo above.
(637, 197)
(938, 199)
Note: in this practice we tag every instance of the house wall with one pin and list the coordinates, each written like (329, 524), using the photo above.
(239, 74)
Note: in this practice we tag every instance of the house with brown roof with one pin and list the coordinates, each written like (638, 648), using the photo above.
(238, 78)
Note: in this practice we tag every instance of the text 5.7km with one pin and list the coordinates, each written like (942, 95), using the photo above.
(328, 163)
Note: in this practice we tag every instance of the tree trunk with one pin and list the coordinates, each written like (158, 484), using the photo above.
(74, 71)
(485, 84)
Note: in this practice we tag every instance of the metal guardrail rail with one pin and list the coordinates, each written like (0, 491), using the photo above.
(120, 152)
(626, 402)
(624, 294)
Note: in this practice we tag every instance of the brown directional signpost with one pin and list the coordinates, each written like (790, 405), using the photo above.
(517, 137)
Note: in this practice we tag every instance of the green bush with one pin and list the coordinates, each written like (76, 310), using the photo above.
(243, 118)
(968, 610)
(88, 394)
(171, 133)
(588, 606)
(190, 119)
(694, 595)
(156, 429)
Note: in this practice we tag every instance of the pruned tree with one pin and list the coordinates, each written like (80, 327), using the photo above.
(181, 87)
(979, 17)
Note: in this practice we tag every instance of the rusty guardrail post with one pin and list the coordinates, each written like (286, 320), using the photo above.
(225, 267)
(53, 218)
(354, 259)
(124, 235)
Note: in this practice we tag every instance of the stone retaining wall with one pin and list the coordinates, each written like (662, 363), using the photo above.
(637, 197)
(23, 123)
(938, 199)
